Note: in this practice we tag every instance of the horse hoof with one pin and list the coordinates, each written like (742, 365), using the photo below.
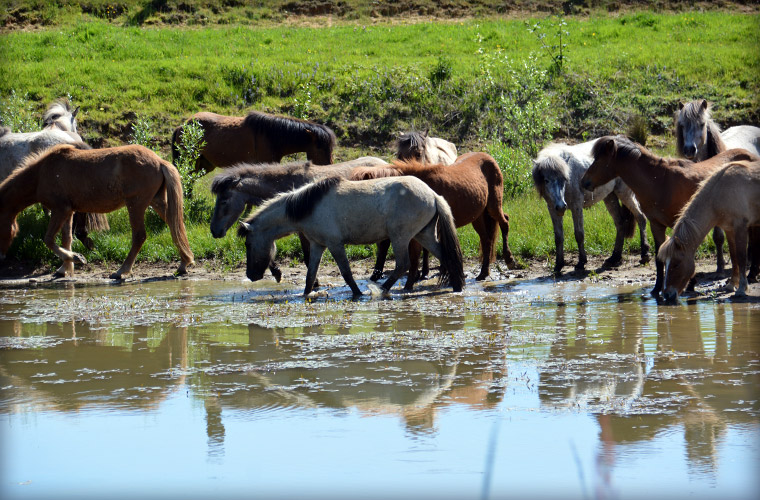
(481, 277)
(613, 262)
(376, 275)
(116, 276)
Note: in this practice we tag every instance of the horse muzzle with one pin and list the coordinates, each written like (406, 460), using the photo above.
(690, 151)
(670, 295)
(253, 276)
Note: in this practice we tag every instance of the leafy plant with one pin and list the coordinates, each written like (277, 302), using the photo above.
(189, 148)
(553, 36)
(142, 133)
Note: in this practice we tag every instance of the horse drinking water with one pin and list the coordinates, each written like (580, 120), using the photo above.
(334, 212)
(66, 179)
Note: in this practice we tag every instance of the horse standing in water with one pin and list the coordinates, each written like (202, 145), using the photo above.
(557, 173)
(59, 127)
(66, 179)
(419, 147)
(729, 199)
(257, 138)
(334, 212)
(662, 185)
(473, 187)
(699, 138)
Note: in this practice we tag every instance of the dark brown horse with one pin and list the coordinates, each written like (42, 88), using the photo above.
(257, 138)
(662, 186)
(473, 186)
(66, 179)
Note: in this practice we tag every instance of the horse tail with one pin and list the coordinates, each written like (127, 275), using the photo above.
(174, 212)
(96, 222)
(451, 251)
(366, 173)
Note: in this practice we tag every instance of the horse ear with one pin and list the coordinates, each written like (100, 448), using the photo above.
(74, 114)
(704, 104)
(680, 105)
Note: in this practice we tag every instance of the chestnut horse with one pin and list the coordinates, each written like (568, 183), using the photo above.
(661, 185)
(66, 179)
(257, 138)
(698, 138)
(729, 199)
(473, 187)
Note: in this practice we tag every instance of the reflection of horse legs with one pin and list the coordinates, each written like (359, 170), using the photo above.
(60, 221)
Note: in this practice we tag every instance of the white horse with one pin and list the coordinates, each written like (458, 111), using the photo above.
(430, 150)
(699, 138)
(334, 212)
(557, 173)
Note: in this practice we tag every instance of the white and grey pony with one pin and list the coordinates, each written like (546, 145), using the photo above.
(334, 212)
(429, 150)
(59, 127)
(699, 138)
(557, 173)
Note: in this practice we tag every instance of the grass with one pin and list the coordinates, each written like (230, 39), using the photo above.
(473, 81)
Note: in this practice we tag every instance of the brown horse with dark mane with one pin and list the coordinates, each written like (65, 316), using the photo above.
(66, 179)
(661, 185)
(257, 138)
(473, 187)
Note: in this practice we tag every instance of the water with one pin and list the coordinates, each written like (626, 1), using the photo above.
(196, 389)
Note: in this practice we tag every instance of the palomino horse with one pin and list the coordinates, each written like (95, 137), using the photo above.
(59, 127)
(245, 185)
(429, 150)
(698, 138)
(473, 188)
(557, 173)
(661, 185)
(66, 179)
(257, 138)
(729, 199)
(334, 212)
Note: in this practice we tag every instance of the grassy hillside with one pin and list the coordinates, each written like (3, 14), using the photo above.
(498, 83)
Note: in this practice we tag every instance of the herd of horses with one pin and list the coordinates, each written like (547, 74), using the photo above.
(414, 203)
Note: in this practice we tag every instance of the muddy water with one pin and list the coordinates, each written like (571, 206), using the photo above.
(194, 389)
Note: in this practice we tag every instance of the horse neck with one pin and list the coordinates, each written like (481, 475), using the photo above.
(19, 192)
(638, 173)
(696, 220)
(272, 222)
(714, 144)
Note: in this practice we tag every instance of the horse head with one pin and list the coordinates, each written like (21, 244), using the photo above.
(691, 127)
(259, 253)
(679, 268)
(411, 146)
(321, 145)
(550, 177)
(602, 169)
(230, 203)
(60, 115)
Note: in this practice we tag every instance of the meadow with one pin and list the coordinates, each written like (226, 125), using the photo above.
(502, 85)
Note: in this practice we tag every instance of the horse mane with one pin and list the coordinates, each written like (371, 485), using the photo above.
(366, 173)
(233, 175)
(282, 130)
(409, 142)
(47, 117)
(301, 202)
(36, 157)
(626, 148)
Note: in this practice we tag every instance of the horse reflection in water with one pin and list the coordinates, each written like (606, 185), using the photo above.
(682, 383)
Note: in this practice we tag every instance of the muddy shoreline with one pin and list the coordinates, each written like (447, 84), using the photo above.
(15, 274)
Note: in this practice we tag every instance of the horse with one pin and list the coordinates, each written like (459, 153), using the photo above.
(698, 138)
(729, 199)
(473, 187)
(557, 172)
(246, 184)
(257, 138)
(428, 150)
(59, 127)
(333, 212)
(65, 179)
(662, 185)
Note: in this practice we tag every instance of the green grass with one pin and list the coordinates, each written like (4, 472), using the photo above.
(369, 80)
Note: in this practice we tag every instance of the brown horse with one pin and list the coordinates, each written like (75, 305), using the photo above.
(66, 179)
(729, 199)
(661, 185)
(473, 187)
(257, 138)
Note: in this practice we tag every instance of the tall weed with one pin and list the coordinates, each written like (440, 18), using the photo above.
(16, 113)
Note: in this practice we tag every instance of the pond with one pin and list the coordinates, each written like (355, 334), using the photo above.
(511, 389)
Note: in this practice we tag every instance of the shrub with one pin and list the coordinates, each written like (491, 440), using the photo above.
(189, 150)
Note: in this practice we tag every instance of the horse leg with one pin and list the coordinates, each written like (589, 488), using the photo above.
(719, 237)
(401, 252)
(630, 201)
(509, 260)
(737, 247)
(414, 258)
(485, 227)
(339, 255)
(315, 256)
(753, 252)
(613, 207)
(425, 264)
(382, 254)
(305, 248)
(137, 221)
(559, 240)
(61, 220)
(580, 237)
(658, 232)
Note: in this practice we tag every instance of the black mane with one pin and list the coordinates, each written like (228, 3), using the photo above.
(301, 203)
(231, 176)
(282, 130)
